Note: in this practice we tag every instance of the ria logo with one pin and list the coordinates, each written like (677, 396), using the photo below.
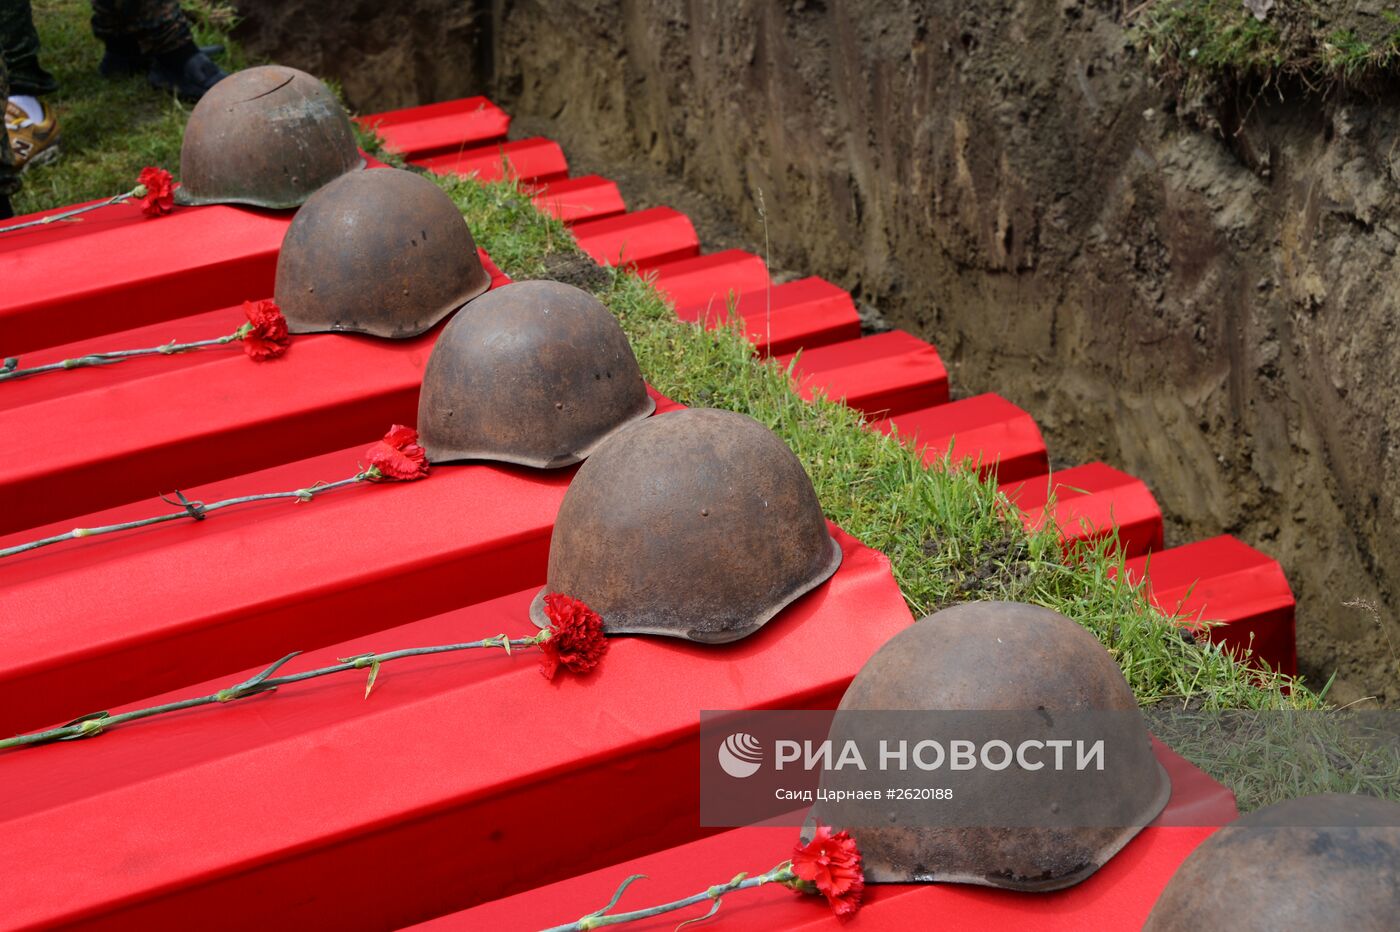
(740, 755)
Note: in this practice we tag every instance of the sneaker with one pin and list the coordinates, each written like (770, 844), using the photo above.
(190, 80)
(124, 59)
(32, 143)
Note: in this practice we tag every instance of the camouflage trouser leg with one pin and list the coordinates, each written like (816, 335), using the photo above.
(9, 175)
(20, 45)
(155, 26)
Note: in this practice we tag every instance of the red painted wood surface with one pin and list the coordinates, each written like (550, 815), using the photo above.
(588, 197)
(1118, 896)
(986, 432)
(104, 620)
(112, 434)
(434, 129)
(810, 313)
(883, 375)
(529, 160)
(1089, 501)
(115, 269)
(642, 239)
(1224, 584)
(712, 279)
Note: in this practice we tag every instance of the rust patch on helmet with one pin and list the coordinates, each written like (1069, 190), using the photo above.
(241, 147)
(538, 373)
(699, 524)
(1008, 657)
(384, 253)
(1329, 861)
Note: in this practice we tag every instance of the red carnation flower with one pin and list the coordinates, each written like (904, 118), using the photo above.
(831, 863)
(160, 191)
(576, 641)
(267, 337)
(398, 457)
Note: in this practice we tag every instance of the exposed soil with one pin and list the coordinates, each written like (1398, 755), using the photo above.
(1003, 178)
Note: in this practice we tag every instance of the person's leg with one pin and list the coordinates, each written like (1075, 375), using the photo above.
(31, 129)
(19, 43)
(109, 25)
(9, 173)
(146, 27)
(137, 32)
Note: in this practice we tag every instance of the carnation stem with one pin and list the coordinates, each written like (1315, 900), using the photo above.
(106, 359)
(89, 725)
(781, 874)
(54, 218)
(192, 510)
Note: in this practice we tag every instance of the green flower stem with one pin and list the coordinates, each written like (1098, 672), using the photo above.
(90, 725)
(138, 191)
(192, 510)
(8, 371)
(781, 874)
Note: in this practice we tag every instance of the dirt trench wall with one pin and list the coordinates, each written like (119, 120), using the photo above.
(1002, 179)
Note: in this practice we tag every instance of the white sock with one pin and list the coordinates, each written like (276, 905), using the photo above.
(31, 106)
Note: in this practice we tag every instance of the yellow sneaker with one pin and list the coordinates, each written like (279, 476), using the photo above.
(33, 143)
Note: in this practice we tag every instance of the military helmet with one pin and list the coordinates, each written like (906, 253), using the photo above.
(1316, 862)
(1011, 671)
(383, 252)
(537, 373)
(699, 524)
(267, 136)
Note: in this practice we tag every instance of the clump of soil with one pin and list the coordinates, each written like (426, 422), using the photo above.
(577, 270)
(1008, 180)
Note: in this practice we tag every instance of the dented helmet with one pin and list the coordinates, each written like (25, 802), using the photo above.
(699, 524)
(383, 252)
(537, 373)
(1018, 672)
(1317, 862)
(267, 136)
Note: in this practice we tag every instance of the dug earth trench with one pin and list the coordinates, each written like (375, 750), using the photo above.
(1214, 314)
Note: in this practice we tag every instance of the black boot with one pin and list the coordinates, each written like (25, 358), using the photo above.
(124, 58)
(6, 211)
(188, 71)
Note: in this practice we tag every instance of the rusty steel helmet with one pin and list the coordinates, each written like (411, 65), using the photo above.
(383, 252)
(267, 136)
(537, 373)
(698, 524)
(1317, 862)
(1025, 834)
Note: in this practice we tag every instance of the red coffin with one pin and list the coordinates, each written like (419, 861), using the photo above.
(642, 239)
(450, 126)
(115, 269)
(883, 375)
(463, 778)
(988, 431)
(111, 434)
(1089, 502)
(528, 160)
(571, 200)
(1223, 583)
(1118, 896)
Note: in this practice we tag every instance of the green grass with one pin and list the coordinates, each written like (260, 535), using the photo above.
(949, 535)
(1212, 47)
(110, 128)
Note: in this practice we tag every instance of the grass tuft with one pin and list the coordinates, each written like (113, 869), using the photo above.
(1210, 50)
